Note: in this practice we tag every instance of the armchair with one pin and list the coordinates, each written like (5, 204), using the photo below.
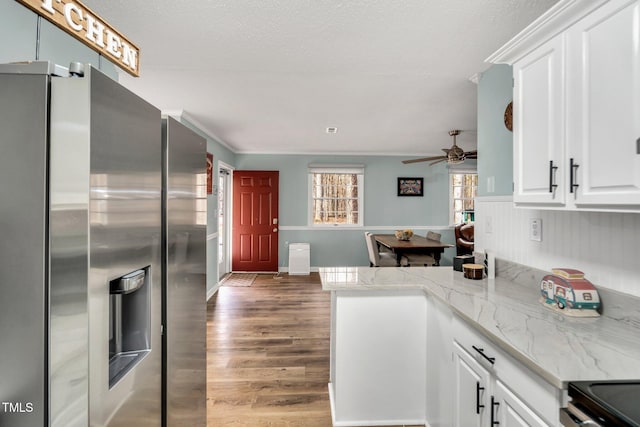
(464, 234)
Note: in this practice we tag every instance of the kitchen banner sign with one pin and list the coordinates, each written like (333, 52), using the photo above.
(79, 21)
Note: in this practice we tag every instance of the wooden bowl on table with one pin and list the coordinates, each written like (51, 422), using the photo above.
(404, 234)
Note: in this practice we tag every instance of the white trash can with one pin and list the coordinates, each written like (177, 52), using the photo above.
(299, 259)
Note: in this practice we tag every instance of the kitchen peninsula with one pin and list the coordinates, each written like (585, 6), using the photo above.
(419, 345)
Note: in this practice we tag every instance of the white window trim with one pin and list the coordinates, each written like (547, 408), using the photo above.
(356, 169)
(457, 172)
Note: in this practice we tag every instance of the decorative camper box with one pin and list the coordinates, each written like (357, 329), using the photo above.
(568, 291)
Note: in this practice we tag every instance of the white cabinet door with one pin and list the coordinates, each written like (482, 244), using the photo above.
(378, 364)
(604, 104)
(472, 390)
(510, 411)
(538, 128)
(439, 387)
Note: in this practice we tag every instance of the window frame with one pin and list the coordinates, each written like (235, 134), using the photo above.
(451, 193)
(357, 170)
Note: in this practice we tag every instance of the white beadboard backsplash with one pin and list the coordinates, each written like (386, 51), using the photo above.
(603, 245)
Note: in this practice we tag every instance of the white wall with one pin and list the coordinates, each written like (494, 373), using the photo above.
(602, 245)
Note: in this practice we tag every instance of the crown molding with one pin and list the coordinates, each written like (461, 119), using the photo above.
(183, 115)
(557, 19)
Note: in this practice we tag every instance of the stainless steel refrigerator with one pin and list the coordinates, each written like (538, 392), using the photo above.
(80, 250)
(184, 304)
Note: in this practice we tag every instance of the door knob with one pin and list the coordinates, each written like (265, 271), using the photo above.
(275, 230)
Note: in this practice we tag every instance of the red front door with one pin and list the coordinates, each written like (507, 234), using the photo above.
(255, 221)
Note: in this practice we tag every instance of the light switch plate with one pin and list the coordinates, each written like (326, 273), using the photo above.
(488, 224)
(535, 229)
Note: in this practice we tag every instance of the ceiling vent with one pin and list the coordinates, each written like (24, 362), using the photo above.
(332, 130)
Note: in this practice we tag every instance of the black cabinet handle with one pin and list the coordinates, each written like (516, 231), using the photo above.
(552, 169)
(494, 422)
(572, 178)
(491, 360)
(478, 390)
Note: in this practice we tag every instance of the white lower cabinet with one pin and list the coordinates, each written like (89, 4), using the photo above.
(491, 388)
(472, 388)
(403, 358)
(378, 358)
(439, 367)
(511, 411)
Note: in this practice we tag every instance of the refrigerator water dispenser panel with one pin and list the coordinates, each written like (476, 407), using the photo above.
(129, 331)
(128, 283)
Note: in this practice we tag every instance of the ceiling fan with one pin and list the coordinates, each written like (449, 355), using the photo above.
(452, 155)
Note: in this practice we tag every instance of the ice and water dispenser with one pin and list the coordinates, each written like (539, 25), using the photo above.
(129, 320)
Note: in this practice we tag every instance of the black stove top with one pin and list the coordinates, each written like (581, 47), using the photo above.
(611, 403)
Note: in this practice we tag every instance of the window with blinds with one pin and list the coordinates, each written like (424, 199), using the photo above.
(464, 187)
(336, 195)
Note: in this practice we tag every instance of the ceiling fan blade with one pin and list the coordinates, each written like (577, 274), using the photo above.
(454, 154)
(423, 159)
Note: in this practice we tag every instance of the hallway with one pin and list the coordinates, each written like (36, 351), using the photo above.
(268, 354)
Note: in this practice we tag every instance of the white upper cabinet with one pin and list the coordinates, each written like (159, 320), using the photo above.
(538, 102)
(603, 116)
(577, 107)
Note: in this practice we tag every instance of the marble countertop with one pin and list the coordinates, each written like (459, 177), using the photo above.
(559, 348)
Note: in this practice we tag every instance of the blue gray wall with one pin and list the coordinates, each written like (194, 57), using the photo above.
(220, 153)
(20, 41)
(495, 141)
(384, 211)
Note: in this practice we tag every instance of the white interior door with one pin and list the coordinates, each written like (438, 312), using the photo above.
(224, 219)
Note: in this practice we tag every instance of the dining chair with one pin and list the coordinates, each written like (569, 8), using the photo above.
(422, 259)
(434, 236)
(377, 258)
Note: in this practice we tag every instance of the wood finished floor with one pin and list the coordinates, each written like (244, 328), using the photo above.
(268, 354)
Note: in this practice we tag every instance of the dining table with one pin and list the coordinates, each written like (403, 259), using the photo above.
(415, 245)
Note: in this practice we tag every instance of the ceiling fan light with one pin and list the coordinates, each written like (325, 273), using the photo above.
(453, 155)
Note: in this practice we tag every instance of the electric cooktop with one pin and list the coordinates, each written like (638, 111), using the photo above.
(611, 403)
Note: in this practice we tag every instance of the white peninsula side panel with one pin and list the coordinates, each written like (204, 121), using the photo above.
(378, 357)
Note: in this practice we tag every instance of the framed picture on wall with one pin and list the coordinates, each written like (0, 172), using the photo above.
(410, 187)
(209, 173)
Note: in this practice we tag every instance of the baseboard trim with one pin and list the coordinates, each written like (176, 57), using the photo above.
(332, 403)
(211, 292)
(379, 423)
(286, 270)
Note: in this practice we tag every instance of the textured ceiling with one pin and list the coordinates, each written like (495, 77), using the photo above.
(269, 76)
